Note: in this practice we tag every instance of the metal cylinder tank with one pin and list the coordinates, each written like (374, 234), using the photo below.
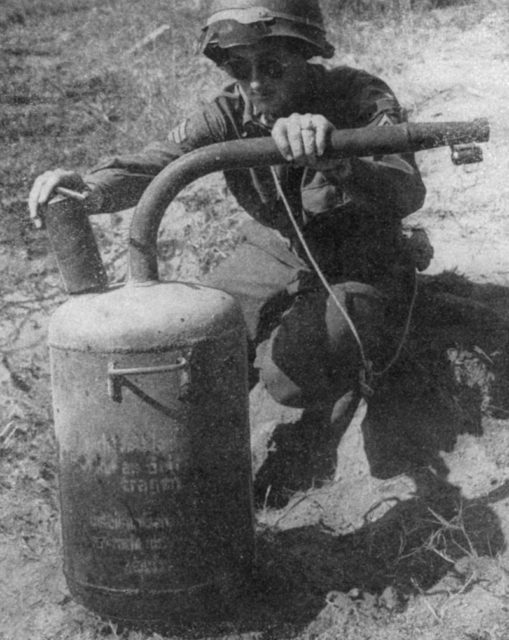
(151, 417)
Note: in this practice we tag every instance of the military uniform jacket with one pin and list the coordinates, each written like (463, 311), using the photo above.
(351, 215)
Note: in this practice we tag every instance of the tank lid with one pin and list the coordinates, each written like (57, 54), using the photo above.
(150, 317)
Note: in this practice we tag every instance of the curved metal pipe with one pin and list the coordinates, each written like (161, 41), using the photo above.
(238, 154)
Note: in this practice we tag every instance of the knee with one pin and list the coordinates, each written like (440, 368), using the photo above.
(282, 389)
(300, 379)
(318, 389)
(313, 355)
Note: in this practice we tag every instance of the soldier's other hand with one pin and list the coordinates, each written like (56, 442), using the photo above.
(303, 138)
(44, 187)
(418, 247)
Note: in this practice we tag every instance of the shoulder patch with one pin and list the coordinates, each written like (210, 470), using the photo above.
(384, 120)
(179, 133)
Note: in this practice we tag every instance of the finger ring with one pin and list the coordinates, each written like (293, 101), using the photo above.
(309, 124)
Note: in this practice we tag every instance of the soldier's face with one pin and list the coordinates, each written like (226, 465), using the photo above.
(272, 77)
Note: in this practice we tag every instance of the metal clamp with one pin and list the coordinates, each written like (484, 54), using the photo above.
(466, 154)
(116, 376)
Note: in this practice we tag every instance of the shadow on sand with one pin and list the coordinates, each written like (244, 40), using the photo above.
(453, 372)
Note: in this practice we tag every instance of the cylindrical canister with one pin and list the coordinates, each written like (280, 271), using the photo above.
(151, 417)
(74, 245)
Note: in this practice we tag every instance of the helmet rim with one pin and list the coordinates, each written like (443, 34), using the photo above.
(256, 20)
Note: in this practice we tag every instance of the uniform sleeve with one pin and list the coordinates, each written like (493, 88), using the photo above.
(121, 180)
(390, 182)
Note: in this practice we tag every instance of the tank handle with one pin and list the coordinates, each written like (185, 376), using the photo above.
(237, 154)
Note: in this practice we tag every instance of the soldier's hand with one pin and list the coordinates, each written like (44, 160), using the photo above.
(418, 247)
(303, 139)
(44, 187)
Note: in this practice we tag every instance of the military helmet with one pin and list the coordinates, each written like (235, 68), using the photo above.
(245, 22)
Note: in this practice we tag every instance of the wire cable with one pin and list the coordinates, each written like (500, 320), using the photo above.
(367, 372)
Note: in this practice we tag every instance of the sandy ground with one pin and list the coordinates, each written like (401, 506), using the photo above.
(469, 78)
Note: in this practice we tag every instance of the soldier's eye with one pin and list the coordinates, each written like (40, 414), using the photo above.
(238, 68)
(243, 69)
(272, 68)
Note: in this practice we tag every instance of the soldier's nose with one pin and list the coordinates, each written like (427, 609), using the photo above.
(256, 77)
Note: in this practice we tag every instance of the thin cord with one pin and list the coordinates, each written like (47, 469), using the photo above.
(368, 372)
(317, 268)
(404, 335)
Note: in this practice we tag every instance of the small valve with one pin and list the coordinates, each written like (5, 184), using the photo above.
(466, 154)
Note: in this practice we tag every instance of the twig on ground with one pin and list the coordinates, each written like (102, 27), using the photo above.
(161, 33)
(422, 593)
(294, 506)
(7, 433)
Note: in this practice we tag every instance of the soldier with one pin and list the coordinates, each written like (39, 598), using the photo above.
(307, 343)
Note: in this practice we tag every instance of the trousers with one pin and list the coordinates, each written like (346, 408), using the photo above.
(300, 343)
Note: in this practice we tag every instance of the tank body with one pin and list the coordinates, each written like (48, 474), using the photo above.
(151, 418)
